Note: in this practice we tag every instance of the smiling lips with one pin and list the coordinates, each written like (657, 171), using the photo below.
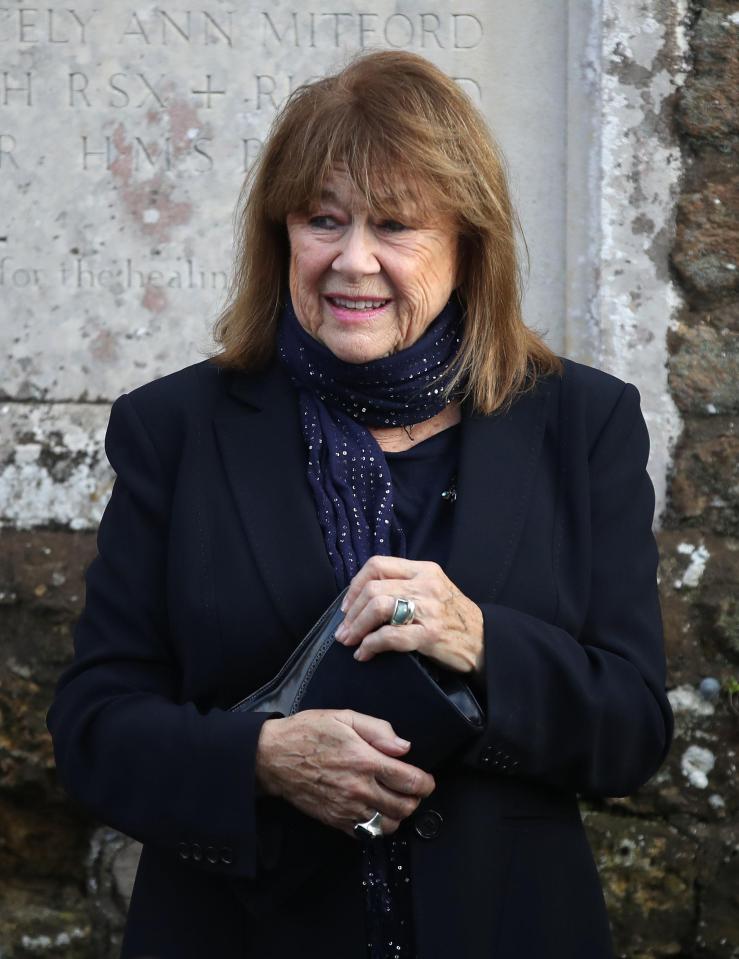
(357, 303)
(355, 309)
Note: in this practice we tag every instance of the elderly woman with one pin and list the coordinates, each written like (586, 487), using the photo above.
(378, 417)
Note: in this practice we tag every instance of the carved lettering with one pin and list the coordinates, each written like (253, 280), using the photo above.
(82, 23)
(365, 29)
(22, 25)
(219, 29)
(78, 83)
(266, 85)
(81, 275)
(269, 27)
(7, 146)
(113, 84)
(27, 25)
(337, 20)
(107, 153)
(17, 86)
(468, 31)
(430, 23)
(18, 276)
(208, 92)
(398, 31)
(117, 80)
(51, 33)
(152, 91)
(134, 30)
(196, 149)
(252, 146)
(151, 160)
(167, 18)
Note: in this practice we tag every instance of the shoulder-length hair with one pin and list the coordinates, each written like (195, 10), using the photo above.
(401, 130)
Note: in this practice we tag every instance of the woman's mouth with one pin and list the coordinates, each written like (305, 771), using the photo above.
(352, 309)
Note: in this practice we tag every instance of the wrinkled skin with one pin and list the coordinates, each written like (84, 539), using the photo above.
(338, 248)
(339, 766)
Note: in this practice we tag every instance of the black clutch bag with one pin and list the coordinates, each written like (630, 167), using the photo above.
(430, 706)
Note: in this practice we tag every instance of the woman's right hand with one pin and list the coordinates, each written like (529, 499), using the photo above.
(340, 767)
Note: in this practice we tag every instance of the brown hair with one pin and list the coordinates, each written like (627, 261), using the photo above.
(396, 124)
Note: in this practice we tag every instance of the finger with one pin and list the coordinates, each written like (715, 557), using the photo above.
(367, 613)
(400, 639)
(377, 732)
(394, 805)
(375, 604)
(404, 778)
(379, 567)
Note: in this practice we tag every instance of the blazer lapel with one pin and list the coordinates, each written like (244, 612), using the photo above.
(498, 459)
(261, 445)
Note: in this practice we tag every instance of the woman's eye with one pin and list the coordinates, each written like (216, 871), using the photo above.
(392, 226)
(322, 222)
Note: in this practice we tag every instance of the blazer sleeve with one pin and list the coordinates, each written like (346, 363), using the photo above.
(126, 748)
(588, 712)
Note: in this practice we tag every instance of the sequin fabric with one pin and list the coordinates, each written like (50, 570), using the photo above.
(353, 490)
(346, 469)
(387, 886)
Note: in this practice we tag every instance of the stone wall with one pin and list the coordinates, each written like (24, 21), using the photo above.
(668, 855)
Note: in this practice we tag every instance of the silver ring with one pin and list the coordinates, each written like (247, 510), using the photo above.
(403, 613)
(372, 829)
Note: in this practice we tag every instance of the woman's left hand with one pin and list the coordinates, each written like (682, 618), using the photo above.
(446, 627)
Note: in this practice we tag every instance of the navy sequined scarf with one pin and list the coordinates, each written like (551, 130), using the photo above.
(347, 470)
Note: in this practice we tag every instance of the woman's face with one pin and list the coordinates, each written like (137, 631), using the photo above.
(367, 287)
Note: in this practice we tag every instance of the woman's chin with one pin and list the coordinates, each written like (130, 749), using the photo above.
(354, 348)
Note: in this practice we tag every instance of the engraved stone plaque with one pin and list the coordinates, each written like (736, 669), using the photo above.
(125, 135)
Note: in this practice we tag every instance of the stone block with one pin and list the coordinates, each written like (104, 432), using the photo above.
(53, 468)
(699, 578)
(703, 370)
(706, 249)
(648, 872)
(705, 476)
(41, 594)
(50, 920)
(718, 890)
(40, 838)
(708, 105)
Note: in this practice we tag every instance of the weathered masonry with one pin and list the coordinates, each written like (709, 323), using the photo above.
(125, 135)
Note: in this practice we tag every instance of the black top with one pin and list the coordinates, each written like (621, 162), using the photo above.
(420, 476)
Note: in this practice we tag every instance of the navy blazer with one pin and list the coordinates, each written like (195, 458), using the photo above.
(211, 566)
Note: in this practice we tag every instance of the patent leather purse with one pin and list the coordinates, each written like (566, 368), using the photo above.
(430, 706)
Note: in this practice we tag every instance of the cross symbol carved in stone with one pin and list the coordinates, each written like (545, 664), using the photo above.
(208, 92)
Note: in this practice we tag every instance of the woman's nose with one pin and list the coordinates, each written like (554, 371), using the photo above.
(357, 255)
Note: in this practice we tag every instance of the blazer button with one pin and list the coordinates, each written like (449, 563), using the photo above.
(227, 856)
(183, 850)
(211, 854)
(197, 852)
(428, 824)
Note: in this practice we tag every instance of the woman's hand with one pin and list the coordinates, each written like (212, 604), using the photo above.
(446, 627)
(339, 766)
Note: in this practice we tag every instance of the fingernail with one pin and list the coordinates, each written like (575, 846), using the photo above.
(340, 631)
(358, 654)
(401, 742)
(343, 605)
